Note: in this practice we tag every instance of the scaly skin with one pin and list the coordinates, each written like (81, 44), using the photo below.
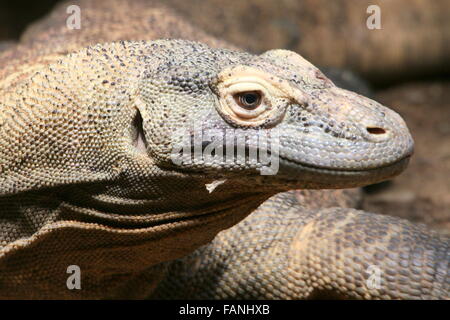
(313, 254)
(86, 175)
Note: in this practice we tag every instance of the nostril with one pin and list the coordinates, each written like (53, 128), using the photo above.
(375, 130)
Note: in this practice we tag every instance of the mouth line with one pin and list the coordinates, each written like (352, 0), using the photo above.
(337, 170)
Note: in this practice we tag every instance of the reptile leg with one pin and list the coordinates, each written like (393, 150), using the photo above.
(286, 251)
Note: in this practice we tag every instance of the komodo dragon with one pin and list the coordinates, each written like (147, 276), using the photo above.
(87, 178)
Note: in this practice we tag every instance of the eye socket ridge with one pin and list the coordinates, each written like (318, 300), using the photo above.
(249, 100)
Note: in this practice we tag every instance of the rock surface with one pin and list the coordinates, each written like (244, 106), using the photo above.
(422, 192)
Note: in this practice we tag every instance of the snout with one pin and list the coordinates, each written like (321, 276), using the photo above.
(342, 131)
(379, 125)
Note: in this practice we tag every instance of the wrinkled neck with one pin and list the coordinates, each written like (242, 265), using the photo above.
(174, 194)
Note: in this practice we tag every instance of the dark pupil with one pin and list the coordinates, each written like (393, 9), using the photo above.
(250, 99)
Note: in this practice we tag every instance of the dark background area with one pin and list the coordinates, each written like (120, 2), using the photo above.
(16, 15)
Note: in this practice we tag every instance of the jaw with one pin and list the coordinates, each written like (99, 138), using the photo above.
(295, 175)
(292, 176)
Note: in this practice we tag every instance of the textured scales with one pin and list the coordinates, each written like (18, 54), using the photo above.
(286, 251)
(86, 179)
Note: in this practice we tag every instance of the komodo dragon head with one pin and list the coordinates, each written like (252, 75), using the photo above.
(219, 112)
(125, 114)
(148, 149)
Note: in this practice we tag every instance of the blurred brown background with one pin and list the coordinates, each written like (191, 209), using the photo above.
(406, 63)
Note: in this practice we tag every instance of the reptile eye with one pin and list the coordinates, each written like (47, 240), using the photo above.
(249, 100)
